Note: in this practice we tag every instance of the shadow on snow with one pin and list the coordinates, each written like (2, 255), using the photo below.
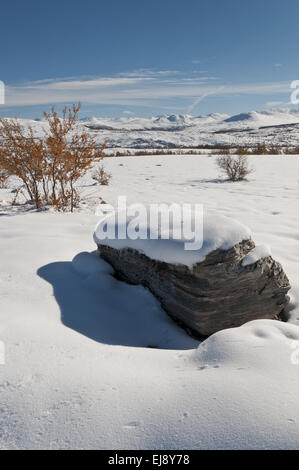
(94, 303)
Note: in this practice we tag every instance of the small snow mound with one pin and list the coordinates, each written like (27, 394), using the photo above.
(251, 346)
(216, 232)
(258, 253)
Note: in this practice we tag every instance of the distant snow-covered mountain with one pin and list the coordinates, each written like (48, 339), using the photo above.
(163, 123)
(252, 119)
(271, 127)
(272, 117)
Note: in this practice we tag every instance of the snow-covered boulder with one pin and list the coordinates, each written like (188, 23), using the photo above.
(224, 284)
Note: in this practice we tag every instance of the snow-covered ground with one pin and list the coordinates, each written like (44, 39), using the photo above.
(91, 362)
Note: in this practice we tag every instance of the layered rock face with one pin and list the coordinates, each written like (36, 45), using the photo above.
(220, 292)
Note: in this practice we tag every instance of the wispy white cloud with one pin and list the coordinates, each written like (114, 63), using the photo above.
(147, 73)
(273, 104)
(86, 84)
(143, 87)
(201, 98)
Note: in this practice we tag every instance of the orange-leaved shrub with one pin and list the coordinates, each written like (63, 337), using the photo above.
(101, 176)
(49, 166)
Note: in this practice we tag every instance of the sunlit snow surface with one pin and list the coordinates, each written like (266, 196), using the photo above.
(210, 232)
(94, 363)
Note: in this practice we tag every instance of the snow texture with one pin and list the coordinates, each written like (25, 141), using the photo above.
(215, 232)
(93, 363)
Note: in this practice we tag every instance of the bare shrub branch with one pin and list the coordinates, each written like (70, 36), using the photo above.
(236, 168)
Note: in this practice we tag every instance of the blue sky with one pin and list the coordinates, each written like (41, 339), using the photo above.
(148, 57)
